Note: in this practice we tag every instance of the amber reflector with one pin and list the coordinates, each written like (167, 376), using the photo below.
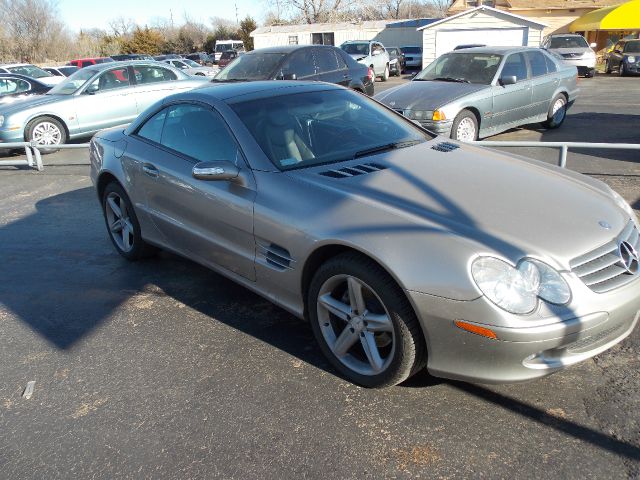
(485, 332)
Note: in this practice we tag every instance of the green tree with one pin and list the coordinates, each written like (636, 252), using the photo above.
(247, 26)
(144, 40)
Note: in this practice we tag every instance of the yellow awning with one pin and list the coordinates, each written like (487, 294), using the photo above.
(621, 17)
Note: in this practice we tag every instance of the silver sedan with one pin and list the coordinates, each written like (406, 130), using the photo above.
(91, 99)
(402, 249)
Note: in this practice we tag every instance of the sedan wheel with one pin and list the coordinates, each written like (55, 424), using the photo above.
(622, 70)
(557, 112)
(122, 224)
(46, 131)
(465, 127)
(385, 75)
(363, 322)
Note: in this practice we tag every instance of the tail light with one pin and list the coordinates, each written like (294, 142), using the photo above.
(370, 74)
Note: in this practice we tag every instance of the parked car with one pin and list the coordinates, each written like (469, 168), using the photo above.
(131, 56)
(228, 56)
(574, 50)
(400, 249)
(167, 56)
(192, 68)
(477, 92)
(64, 71)
(87, 62)
(625, 57)
(224, 45)
(31, 71)
(14, 86)
(396, 61)
(412, 56)
(299, 62)
(91, 99)
(371, 54)
(201, 58)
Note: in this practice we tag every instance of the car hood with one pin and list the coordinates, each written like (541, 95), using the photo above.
(503, 204)
(32, 102)
(427, 95)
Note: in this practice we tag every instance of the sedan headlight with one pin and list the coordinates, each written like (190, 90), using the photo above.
(1, 120)
(517, 289)
(419, 114)
(393, 62)
(631, 59)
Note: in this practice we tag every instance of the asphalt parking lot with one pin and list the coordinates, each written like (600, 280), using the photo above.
(162, 369)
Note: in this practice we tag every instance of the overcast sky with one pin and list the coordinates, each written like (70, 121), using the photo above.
(80, 14)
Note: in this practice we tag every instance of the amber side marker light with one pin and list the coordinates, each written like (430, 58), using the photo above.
(485, 332)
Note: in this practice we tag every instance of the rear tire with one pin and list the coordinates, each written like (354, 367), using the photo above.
(364, 323)
(557, 112)
(122, 224)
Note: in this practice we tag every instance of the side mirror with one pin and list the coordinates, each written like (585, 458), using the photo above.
(593, 45)
(222, 170)
(508, 80)
(92, 89)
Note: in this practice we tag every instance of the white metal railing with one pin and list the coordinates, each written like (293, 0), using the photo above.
(34, 157)
(563, 146)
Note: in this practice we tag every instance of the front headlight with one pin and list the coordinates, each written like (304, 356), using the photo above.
(419, 114)
(517, 289)
(394, 61)
(631, 59)
(1, 120)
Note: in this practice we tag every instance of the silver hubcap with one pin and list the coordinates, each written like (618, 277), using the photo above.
(120, 226)
(558, 110)
(356, 325)
(46, 133)
(466, 130)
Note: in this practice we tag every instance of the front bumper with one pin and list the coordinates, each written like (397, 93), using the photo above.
(441, 128)
(11, 136)
(521, 352)
(632, 67)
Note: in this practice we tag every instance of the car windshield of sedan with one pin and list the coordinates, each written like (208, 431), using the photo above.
(568, 42)
(255, 66)
(30, 71)
(469, 67)
(71, 84)
(632, 47)
(356, 48)
(322, 127)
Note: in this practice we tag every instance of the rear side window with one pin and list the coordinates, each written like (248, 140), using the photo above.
(537, 63)
(326, 60)
(551, 65)
(152, 128)
(301, 63)
(152, 74)
(13, 85)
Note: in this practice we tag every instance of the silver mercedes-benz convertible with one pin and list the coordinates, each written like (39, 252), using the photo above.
(402, 249)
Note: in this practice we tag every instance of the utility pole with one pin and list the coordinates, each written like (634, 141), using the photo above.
(236, 4)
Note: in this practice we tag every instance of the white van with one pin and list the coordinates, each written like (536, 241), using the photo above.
(224, 45)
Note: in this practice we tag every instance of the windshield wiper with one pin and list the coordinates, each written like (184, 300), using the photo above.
(386, 147)
(451, 79)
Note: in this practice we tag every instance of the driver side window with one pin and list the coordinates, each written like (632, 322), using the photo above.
(110, 80)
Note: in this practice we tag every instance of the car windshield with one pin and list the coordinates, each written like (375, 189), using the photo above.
(30, 71)
(300, 130)
(462, 67)
(568, 42)
(253, 66)
(411, 49)
(223, 47)
(632, 47)
(71, 84)
(191, 63)
(355, 48)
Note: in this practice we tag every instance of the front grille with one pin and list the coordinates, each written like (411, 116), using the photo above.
(601, 269)
(587, 342)
(571, 55)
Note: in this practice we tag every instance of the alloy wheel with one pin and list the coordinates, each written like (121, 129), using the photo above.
(356, 325)
(558, 111)
(46, 133)
(118, 221)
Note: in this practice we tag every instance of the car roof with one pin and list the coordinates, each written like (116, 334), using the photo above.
(284, 48)
(496, 50)
(566, 35)
(104, 66)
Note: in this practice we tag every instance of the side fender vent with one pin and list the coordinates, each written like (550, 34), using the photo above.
(354, 170)
(445, 147)
(275, 256)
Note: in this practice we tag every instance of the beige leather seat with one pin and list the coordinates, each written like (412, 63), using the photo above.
(283, 139)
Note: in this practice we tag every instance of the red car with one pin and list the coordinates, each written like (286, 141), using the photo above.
(87, 62)
(228, 57)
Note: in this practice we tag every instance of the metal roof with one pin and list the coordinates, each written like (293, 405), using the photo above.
(333, 27)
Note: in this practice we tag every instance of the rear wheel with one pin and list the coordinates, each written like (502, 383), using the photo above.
(557, 112)
(122, 224)
(363, 322)
(385, 75)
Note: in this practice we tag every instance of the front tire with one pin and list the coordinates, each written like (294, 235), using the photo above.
(385, 75)
(363, 322)
(122, 224)
(465, 127)
(46, 131)
(608, 67)
(622, 70)
(557, 112)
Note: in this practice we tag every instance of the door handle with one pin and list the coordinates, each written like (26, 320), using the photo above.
(150, 170)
